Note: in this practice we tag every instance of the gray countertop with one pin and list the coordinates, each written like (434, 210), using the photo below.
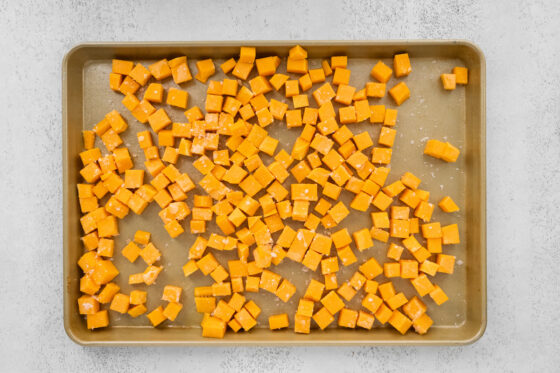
(520, 41)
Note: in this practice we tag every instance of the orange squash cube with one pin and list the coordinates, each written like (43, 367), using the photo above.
(98, 320)
(345, 94)
(409, 268)
(422, 324)
(448, 205)
(400, 93)
(372, 302)
(106, 295)
(365, 320)
(371, 269)
(120, 303)
(285, 291)
(172, 310)
(280, 321)
(383, 314)
(156, 317)
(341, 76)
(400, 322)
(394, 252)
(401, 65)
(422, 285)
(397, 301)
(461, 75)
(363, 239)
(376, 90)
(429, 267)
(424, 211)
(445, 263)
(140, 74)
(128, 86)
(177, 97)
(448, 81)
(88, 305)
(438, 295)
(154, 93)
(431, 230)
(381, 155)
(206, 69)
(391, 270)
(122, 67)
(387, 290)
(414, 308)
(323, 318)
(450, 234)
(302, 324)
(347, 318)
(381, 72)
(314, 291)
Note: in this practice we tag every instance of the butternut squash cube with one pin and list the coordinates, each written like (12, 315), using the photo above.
(383, 314)
(122, 67)
(363, 239)
(160, 70)
(206, 69)
(401, 65)
(323, 318)
(323, 94)
(305, 307)
(346, 256)
(450, 234)
(381, 155)
(429, 267)
(297, 66)
(302, 324)
(314, 291)
(151, 273)
(88, 305)
(400, 322)
(422, 324)
(177, 97)
(341, 76)
(106, 295)
(391, 270)
(128, 86)
(120, 303)
(445, 263)
(137, 310)
(115, 81)
(376, 90)
(156, 317)
(347, 318)
(285, 291)
(98, 320)
(140, 74)
(346, 291)
(461, 75)
(154, 93)
(422, 284)
(280, 321)
(438, 295)
(409, 268)
(448, 205)
(365, 320)
(372, 302)
(381, 72)
(371, 269)
(400, 93)
(448, 81)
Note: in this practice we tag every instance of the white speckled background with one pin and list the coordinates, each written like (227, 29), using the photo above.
(520, 40)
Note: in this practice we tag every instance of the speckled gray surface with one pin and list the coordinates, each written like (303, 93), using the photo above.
(523, 137)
